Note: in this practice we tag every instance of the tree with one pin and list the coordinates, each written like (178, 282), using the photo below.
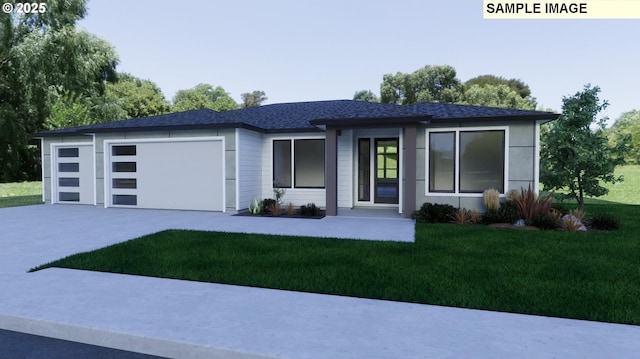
(627, 124)
(253, 99)
(430, 83)
(68, 110)
(41, 56)
(516, 85)
(203, 96)
(575, 157)
(365, 95)
(137, 97)
(496, 96)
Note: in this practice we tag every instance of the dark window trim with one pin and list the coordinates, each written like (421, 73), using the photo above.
(292, 159)
(456, 154)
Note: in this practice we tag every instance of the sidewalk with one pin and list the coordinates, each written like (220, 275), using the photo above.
(184, 319)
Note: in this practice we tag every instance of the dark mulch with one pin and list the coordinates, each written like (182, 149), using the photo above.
(283, 215)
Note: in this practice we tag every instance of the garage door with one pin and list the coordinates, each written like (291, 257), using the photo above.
(166, 174)
(72, 179)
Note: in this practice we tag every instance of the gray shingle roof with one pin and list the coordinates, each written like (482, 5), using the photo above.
(298, 116)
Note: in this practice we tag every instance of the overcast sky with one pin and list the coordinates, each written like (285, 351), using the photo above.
(320, 50)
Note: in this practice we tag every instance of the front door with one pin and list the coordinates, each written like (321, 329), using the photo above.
(386, 172)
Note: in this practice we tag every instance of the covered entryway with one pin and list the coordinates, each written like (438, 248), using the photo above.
(166, 173)
(72, 173)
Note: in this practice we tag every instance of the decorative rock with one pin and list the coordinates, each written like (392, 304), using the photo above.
(520, 223)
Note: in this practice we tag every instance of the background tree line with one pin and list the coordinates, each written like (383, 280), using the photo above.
(53, 75)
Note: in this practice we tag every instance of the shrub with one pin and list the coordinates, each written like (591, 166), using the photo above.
(278, 193)
(512, 195)
(491, 198)
(309, 210)
(605, 222)
(507, 213)
(531, 205)
(255, 207)
(291, 210)
(474, 216)
(546, 221)
(460, 216)
(434, 213)
(268, 204)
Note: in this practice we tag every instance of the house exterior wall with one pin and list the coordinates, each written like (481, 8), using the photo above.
(521, 162)
(249, 167)
(297, 196)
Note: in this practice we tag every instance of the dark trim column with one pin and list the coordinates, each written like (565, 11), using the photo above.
(331, 171)
(409, 196)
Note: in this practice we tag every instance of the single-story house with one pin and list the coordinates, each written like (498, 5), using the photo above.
(336, 154)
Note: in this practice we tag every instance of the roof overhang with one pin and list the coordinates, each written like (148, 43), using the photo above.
(369, 122)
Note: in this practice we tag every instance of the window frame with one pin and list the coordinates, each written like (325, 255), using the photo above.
(457, 130)
(292, 141)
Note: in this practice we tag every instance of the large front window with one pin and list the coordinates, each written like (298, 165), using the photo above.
(466, 161)
(298, 162)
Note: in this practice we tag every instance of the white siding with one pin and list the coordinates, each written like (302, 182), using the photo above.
(345, 169)
(249, 167)
(297, 196)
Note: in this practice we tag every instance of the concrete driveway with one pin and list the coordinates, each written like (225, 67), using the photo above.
(182, 319)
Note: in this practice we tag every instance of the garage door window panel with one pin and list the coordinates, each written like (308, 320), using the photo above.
(69, 182)
(125, 150)
(125, 183)
(69, 152)
(125, 199)
(69, 167)
(124, 166)
(69, 196)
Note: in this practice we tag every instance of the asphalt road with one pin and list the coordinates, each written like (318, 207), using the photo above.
(14, 345)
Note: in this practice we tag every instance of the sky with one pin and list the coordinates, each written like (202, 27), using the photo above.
(309, 50)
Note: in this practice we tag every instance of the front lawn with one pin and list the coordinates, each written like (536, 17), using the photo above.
(20, 194)
(592, 276)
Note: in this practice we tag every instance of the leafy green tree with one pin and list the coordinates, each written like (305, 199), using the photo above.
(496, 96)
(365, 95)
(203, 96)
(42, 55)
(574, 157)
(516, 85)
(430, 83)
(253, 99)
(628, 124)
(68, 110)
(137, 97)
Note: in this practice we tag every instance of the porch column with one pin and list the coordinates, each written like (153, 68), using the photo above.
(331, 171)
(409, 199)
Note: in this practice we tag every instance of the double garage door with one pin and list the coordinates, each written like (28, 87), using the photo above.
(164, 174)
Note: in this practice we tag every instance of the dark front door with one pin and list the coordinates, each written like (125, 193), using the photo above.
(386, 173)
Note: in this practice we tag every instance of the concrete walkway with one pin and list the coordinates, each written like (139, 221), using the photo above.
(182, 319)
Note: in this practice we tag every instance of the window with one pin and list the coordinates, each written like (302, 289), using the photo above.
(125, 150)
(69, 196)
(69, 182)
(125, 199)
(124, 166)
(125, 183)
(442, 161)
(282, 163)
(299, 163)
(466, 161)
(68, 167)
(309, 163)
(68, 152)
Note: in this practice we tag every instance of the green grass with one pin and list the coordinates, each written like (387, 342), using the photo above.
(20, 194)
(593, 276)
